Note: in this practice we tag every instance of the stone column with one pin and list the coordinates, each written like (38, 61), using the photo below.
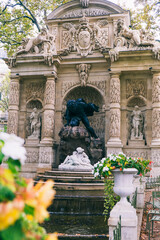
(49, 108)
(114, 144)
(13, 105)
(46, 153)
(155, 144)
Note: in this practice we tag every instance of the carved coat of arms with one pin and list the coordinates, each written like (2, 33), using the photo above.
(84, 37)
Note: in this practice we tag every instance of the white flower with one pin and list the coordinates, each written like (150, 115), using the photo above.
(105, 169)
(13, 147)
(100, 165)
(96, 174)
(102, 160)
(96, 164)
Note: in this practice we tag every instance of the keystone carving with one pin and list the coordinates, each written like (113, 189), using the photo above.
(83, 70)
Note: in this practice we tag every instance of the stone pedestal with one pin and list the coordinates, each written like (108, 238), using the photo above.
(123, 187)
(73, 137)
(46, 157)
(136, 143)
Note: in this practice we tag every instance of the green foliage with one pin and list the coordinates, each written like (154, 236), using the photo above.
(146, 16)
(110, 198)
(104, 167)
(13, 232)
(4, 89)
(6, 194)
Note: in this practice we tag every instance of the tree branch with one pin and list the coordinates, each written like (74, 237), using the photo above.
(9, 42)
(9, 5)
(34, 20)
(7, 21)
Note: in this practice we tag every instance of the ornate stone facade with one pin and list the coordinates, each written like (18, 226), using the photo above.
(114, 128)
(12, 122)
(156, 89)
(155, 123)
(97, 57)
(83, 70)
(34, 90)
(115, 89)
(135, 88)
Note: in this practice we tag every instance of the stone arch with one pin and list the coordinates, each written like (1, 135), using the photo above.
(36, 103)
(136, 100)
(89, 94)
(96, 8)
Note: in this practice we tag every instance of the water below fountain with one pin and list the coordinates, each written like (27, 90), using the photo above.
(77, 226)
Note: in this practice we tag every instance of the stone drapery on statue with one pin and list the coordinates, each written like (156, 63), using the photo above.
(78, 161)
(78, 110)
(35, 124)
(137, 124)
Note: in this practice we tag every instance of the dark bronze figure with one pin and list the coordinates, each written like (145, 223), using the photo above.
(78, 110)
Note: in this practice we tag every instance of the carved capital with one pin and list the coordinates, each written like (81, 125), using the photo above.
(83, 70)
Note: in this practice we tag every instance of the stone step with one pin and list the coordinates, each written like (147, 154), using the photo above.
(74, 185)
(79, 179)
(69, 173)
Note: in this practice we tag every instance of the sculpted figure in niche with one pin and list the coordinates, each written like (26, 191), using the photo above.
(78, 110)
(35, 123)
(137, 124)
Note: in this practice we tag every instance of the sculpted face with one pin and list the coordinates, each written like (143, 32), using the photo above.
(84, 38)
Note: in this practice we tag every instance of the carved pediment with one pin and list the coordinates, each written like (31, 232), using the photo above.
(77, 8)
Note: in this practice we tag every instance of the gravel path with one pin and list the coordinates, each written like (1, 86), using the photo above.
(145, 234)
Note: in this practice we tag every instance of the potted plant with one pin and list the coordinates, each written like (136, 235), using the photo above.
(123, 168)
(105, 167)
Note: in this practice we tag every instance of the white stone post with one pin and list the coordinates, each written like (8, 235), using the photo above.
(114, 145)
(155, 144)
(123, 186)
(13, 105)
(46, 152)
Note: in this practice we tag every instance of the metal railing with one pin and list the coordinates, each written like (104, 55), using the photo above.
(117, 230)
(152, 182)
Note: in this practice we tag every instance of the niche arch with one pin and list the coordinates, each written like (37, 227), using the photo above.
(90, 95)
(141, 102)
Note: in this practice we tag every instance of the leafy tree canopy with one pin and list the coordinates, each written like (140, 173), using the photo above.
(21, 18)
(24, 18)
(147, 16)
(4, 90)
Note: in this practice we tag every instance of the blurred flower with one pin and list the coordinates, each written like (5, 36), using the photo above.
(13, 147)
(10, 212)
(7, 179)
(52, 237)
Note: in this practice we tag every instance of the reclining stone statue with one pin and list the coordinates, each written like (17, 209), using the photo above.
(78, 110)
